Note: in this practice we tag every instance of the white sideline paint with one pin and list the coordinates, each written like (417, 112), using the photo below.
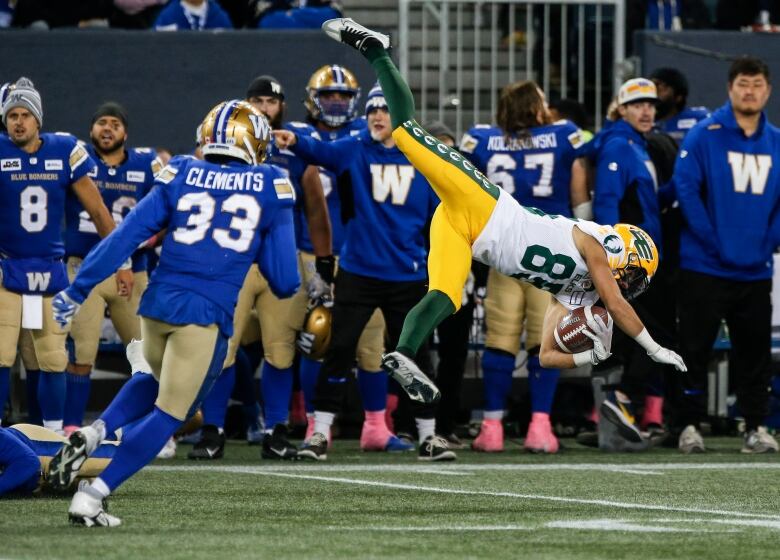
(628, 468)
(437, 528)
(615, 525)
(455, 491)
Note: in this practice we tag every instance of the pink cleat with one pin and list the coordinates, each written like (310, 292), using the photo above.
(491, 436)
(540, 437)
(375, 436)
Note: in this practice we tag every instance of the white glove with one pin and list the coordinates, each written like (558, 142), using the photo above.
(317, 288)
(64, 308)
(601, 335)
(305, 342)
(665, 356)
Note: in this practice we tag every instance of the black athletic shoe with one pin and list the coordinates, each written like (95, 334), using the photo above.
(435, 448)
(316, 449)
(277, 446)
(621, 414)
(349, 32)
(211, 444)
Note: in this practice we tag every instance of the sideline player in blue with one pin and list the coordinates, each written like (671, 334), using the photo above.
(673, 115)
(36, 172)
(535, 160)
(221, 215)
(124, 176)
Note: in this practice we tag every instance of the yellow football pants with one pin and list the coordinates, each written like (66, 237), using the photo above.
(467, 202)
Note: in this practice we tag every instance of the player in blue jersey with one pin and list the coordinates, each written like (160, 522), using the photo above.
(728, 183)
(382, 266)
(221, 215)
(332, 103)
(36, 172)
(279, 319)
(124, 176)
(535, 160)
(26, 451)
(673, 115)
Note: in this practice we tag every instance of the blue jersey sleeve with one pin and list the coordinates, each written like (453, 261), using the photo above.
(336, 156)
(19, 465)
(149, 217)
(688, 180)
(612, 178)
(278, 257)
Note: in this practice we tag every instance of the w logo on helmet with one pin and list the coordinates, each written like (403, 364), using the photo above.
(261, 126)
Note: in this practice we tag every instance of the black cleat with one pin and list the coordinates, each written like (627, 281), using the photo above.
(64, 466)
(316, 449)
(435, 448)
(277, 446)
(210, 446)
(621, 414)
(349, 32)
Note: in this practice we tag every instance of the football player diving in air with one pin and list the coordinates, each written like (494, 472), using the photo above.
(579, 262)
(221, 215)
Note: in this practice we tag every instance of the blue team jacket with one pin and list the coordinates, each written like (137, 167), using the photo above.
(727, 185)
(625, 181)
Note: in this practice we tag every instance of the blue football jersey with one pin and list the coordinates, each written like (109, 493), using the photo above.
(121, 187)
(329, 182)
(33, 188)
(535, 169)
(219, 219)
(393, 203)
(680, 124)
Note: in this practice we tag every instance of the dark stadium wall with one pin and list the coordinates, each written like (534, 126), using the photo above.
(167, 81)
(705, 56)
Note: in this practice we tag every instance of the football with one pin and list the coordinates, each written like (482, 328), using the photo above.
(568, 333)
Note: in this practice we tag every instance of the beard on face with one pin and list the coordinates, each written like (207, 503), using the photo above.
(113, 147)
(663, 108)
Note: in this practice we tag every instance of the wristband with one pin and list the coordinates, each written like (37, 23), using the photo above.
(582, 358)
(583, 211)
(646, 341)
(325, 267)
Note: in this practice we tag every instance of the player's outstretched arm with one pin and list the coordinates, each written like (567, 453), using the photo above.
(278, 256)
(333, 155)
(619, 309)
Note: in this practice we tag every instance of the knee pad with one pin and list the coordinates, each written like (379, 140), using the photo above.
(52, 359)
(280, 354)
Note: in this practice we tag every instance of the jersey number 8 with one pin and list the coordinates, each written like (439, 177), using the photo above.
(33, 204)
(198, 223)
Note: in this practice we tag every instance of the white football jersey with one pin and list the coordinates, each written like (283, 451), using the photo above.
(527, 244)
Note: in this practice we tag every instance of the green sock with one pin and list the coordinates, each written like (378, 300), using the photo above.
(422, 319)
(397, 93)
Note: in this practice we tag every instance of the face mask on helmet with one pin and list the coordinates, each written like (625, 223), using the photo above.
(333, 95)
(632, 279)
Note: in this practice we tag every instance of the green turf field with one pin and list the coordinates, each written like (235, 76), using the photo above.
(580, 504)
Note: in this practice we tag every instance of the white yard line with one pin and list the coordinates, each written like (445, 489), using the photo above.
(436, 528)
(435, 489)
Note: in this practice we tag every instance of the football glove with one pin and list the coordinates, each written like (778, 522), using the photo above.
(601, 335)
(320, 285)
(665, 356)
(305, 341)
(64, 308)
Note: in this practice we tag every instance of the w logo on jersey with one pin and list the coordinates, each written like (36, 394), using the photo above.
(749, 170)
(38, 281)
(392, 180)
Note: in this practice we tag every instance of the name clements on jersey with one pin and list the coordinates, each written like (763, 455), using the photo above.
(34, 176)
(540, 142)
(230, 181)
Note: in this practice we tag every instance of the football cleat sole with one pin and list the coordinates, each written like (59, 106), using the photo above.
(616, 417)
(64, 466)
(349, 32)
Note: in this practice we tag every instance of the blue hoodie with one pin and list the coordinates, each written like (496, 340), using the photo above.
(727, 185)
(626, 185)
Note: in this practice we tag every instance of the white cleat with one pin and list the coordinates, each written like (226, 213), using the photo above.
(169, 450)
(759, 441)
(417, 385)
(64, 466)
(691, 440)
(349, 32)
(135, 355)
(85, 509)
